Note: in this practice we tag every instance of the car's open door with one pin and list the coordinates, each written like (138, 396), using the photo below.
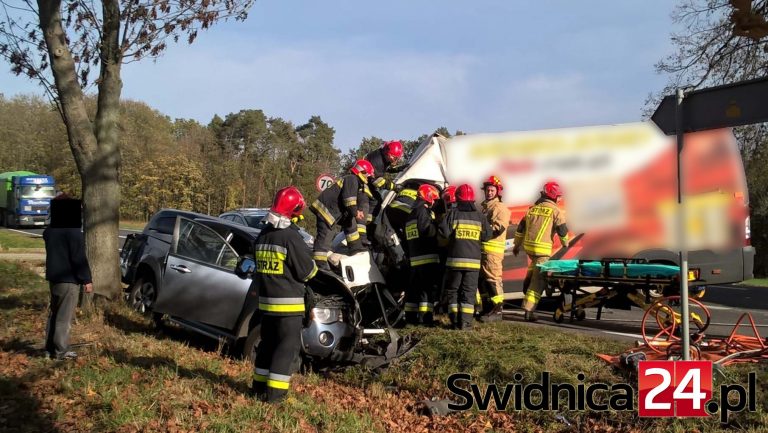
(199, 282)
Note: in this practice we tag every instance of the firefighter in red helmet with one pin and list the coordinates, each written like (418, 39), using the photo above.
(339, 204)
(420, 234)
(491, 282)
(384, 160)
(465, 229)
(283, 265)
(536, 233)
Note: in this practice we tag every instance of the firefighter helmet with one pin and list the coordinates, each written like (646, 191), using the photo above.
(362, 167)
(288, 202)
(493, 181)
(428, 193)
(449, 194)
(552, 190)
(465, 193)
(393, 150)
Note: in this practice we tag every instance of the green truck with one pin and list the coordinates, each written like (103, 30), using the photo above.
(25, 198)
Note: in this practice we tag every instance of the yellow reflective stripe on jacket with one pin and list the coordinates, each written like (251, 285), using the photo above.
(322, 256)
(538, 248)
(323, 211)
(498, 299)
(361, 228)
(408, 192)
(493, 247)
(312, 273)
(425, 259)
(462, 263)
(350, 201)
(401, 206)
(281, 305)
(351, 237)
(272, 251)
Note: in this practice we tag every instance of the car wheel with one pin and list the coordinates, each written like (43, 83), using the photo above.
(251, 345)
(143, 295)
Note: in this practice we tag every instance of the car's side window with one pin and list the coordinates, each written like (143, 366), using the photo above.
(201, 243)
(241, 245)
(164, 225)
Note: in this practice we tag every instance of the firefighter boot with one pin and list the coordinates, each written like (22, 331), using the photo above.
(259, 390)
(495, 315)
(530, 316)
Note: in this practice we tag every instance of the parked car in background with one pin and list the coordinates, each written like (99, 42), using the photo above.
(254, 217)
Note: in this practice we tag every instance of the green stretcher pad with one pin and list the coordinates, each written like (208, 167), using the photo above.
(595, 269)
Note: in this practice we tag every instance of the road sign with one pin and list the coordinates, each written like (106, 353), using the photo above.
(324, 181)
(724, 106)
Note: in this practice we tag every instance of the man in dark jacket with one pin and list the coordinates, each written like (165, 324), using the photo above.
(66, 269)
(465, 229)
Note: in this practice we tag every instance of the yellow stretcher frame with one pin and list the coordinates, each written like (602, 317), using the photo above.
(637, 290)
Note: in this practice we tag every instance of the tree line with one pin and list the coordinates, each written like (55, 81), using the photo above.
(235, 161)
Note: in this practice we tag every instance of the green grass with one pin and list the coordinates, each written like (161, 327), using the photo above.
(760, 282)
(130, 378)
(132, 225)
(11, 240)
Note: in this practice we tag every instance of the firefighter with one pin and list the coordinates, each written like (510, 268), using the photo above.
(384, 160)
(338, 204)
(536, 233)
(420, 233)
(448, 202)
(399, 210)
(465, 228)
(283, 266)
(491, 282)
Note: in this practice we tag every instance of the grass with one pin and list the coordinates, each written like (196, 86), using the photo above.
(12, 241)
(759, 282)
(130, 378)
(132, 225)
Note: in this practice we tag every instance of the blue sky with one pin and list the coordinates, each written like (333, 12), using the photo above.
(399, 69)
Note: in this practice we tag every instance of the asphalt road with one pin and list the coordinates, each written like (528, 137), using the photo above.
(39, 232)
(726, 304)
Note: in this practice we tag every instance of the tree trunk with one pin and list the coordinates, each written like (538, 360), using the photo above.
(94, 146)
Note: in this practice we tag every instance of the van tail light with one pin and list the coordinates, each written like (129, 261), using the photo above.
(747, 233)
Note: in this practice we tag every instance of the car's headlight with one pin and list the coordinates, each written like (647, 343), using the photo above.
(326, 315)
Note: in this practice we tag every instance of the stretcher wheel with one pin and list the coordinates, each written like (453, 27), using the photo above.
(581, 314)
(558, 316)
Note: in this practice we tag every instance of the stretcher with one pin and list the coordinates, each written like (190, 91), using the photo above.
(622, 283)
